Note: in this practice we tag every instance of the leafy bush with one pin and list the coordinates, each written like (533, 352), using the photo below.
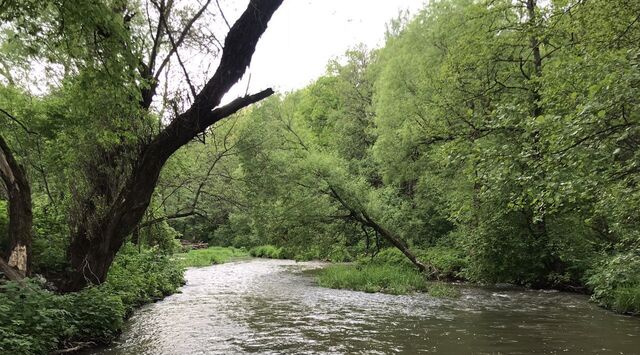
(139, 278)
(448, 261)
(32, 320)
(442, 290)
(266, 251)
(616, 283)
(391, 256)
(372, 278)
(96, 314)
(36, 321)
(340, 254)
(209, 256)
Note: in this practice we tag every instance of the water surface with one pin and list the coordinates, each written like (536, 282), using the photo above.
(273, 307)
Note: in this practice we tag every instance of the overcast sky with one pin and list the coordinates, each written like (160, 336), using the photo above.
(304, 35)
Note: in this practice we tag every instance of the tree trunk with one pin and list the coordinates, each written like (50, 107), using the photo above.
(539, 216)
(94, 246)
(20, 215)
(362, 217)
(400, 244)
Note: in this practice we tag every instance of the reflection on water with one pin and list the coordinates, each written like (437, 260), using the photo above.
(270, 306)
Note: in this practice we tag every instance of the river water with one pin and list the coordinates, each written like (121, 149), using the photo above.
(273, 307)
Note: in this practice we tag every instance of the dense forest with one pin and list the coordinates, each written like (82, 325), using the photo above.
(487, 141)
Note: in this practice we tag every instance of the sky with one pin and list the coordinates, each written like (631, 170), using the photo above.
(304, 35)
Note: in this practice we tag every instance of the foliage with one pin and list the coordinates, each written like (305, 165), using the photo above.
(209, 256)
(37, 321)
(442, 290)
(266, 251)
(616, 282)
(448, 262)
(372, 278)
(500, 142)
(142, 277)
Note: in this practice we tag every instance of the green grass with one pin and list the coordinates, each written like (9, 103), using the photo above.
(209, 256)
(442, 290)
(447, 261)
(372, 278)
(626, 299)
(267, 251)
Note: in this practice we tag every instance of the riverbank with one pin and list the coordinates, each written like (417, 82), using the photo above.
(612, 285)
(35, 320)
(210, 256)
(270, 306)
(390, 279)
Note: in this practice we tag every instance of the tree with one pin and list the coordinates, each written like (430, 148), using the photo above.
(20, 215)
(99, 237)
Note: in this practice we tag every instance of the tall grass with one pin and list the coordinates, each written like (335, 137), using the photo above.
(384, 278)
(267, 251)
(209, 256)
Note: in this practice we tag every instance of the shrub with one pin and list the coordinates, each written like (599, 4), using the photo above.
(340, 254)
(266, 251)
(32, 320)
(615, 282)
(448, 261)
(209, 256)
(372, 278)
(139, 278)
(392, 256)
(37, 321)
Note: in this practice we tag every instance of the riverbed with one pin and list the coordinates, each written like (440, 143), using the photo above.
(275, 307)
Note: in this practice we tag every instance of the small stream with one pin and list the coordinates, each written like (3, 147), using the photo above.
(274, 307)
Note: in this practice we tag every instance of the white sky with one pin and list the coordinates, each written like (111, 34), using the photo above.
(304, 35)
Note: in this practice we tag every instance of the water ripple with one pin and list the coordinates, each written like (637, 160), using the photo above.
(271, 307)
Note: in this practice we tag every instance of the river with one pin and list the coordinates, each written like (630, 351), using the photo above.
(274, 307)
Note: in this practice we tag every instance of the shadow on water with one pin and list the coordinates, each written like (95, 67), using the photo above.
(271, 306)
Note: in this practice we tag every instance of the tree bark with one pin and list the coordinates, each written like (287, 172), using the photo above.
(94, 246)
(20, 214)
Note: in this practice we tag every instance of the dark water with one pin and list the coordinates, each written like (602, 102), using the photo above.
(271, 307)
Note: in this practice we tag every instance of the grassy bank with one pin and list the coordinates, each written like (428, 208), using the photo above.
(615, 282)
(34, 320)
(371, 278)
(209, 256)
(389, 279)
(391, 272)
(267, 251)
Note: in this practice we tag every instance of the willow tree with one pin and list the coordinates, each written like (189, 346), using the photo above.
(127, 99)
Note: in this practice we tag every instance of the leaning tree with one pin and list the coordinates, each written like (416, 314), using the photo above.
(101, 232)
(134, 49)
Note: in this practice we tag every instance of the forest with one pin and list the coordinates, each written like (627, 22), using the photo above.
(487, 141)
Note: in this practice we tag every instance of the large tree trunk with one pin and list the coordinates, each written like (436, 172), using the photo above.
(94, 245)
(20, 215)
